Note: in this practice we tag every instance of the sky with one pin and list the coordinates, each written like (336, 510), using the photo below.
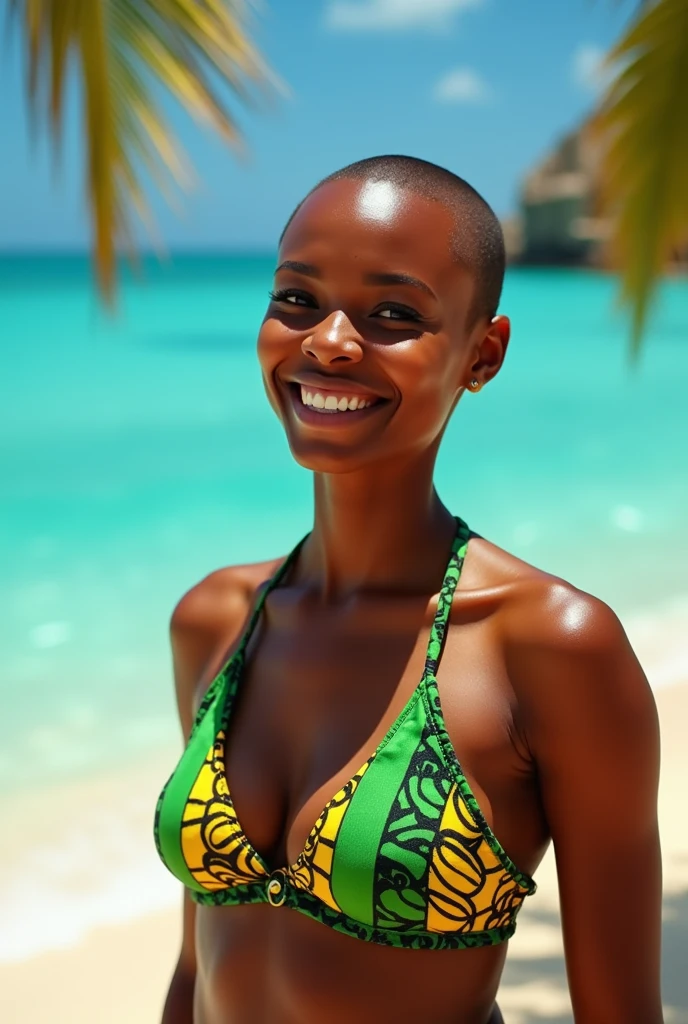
(483, 87)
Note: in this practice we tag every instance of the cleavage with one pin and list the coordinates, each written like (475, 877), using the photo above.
(315, 699)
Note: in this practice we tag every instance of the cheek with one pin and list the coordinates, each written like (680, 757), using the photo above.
(427, 381)
(267, 346)
(272, 347)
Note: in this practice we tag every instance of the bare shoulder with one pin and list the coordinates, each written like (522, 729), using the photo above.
(220, 599)
(563, 648)
(204, 624)
(585, 717)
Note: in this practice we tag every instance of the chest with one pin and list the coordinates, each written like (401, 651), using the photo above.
(321, 689)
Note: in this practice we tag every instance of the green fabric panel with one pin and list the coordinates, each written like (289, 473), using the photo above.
(212, 716)
(405, 853)
(416, 864)
(353, 867)
(177, 793)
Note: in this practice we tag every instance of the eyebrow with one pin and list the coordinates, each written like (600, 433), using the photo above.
(301, 268)
(400, 279)
(378, 278)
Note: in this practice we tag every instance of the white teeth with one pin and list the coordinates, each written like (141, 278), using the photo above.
(332, 403)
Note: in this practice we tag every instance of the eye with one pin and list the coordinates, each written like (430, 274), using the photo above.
(292, 296)
(395, 311)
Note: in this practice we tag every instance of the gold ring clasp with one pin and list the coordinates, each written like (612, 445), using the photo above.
(277, 888)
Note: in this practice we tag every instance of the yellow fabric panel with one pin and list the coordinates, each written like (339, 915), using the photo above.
(213, 844)
(313, 868)
(468, 888)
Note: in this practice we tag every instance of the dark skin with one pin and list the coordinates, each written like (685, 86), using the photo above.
(544, 701)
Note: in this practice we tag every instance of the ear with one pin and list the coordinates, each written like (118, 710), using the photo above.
(489, 349)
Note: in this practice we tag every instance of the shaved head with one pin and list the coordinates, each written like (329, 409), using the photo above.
(477, 240)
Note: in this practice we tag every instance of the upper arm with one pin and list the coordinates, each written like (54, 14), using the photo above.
(591, 723)
(205, 621)
(203, 625)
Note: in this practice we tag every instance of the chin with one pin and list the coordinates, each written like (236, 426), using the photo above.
(321, 459)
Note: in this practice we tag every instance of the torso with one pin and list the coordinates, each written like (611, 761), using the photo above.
(322, 685)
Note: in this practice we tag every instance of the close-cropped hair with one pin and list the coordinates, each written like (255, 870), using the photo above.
(477, 239)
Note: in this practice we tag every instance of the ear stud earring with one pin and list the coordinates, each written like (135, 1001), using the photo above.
(475, 384)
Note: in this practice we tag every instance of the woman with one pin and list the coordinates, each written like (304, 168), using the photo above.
(403, 713)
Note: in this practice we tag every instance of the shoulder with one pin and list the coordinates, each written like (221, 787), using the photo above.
(540, 612)
(586, 717)
(566, 652)
(549, 615)
(206, 621)
(219, 600)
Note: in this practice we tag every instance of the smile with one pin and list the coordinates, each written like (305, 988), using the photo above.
(331, 402)
(316, 406)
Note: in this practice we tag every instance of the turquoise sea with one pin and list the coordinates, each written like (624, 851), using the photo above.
(137, 453)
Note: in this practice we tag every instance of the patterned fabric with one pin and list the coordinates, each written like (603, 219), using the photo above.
(468, 888)
(401, 855)
(312, 871)
(213, 844)
(408, 839)
(312, 907)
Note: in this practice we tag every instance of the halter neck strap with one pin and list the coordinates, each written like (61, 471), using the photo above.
(273, 582)
(438, 629)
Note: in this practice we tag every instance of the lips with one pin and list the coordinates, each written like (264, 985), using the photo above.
(334, 385)
(332, 401)
(316, 399)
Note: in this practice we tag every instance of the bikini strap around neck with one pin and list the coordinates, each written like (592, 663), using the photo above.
(439, 627)
(274, 581)
(438, 630)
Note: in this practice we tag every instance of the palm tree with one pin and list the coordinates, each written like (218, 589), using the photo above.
(124, 50)
(644, 118)
(194, 48)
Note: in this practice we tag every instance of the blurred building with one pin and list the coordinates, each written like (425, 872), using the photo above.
(558, 221)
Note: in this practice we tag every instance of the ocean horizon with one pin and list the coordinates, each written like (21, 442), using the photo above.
(138, 453)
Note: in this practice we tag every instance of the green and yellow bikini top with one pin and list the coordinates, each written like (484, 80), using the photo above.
(401, 855)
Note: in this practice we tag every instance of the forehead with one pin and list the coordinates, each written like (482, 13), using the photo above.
(376, 222)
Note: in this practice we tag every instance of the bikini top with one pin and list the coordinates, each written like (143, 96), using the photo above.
(401, 855)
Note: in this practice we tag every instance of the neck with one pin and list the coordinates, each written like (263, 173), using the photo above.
(382, 528)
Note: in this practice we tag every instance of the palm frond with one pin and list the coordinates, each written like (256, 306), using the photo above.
(125, 50)
(643, 119)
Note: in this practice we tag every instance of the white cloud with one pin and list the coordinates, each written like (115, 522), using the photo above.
(587, 67)
(372, 15)
(461, 86)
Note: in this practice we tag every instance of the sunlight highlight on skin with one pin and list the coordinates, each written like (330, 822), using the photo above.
(378, 200)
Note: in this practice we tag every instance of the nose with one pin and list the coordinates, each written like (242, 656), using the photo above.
(334, 339)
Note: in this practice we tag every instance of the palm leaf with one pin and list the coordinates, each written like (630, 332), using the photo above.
(644, 120)
(125, 50)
